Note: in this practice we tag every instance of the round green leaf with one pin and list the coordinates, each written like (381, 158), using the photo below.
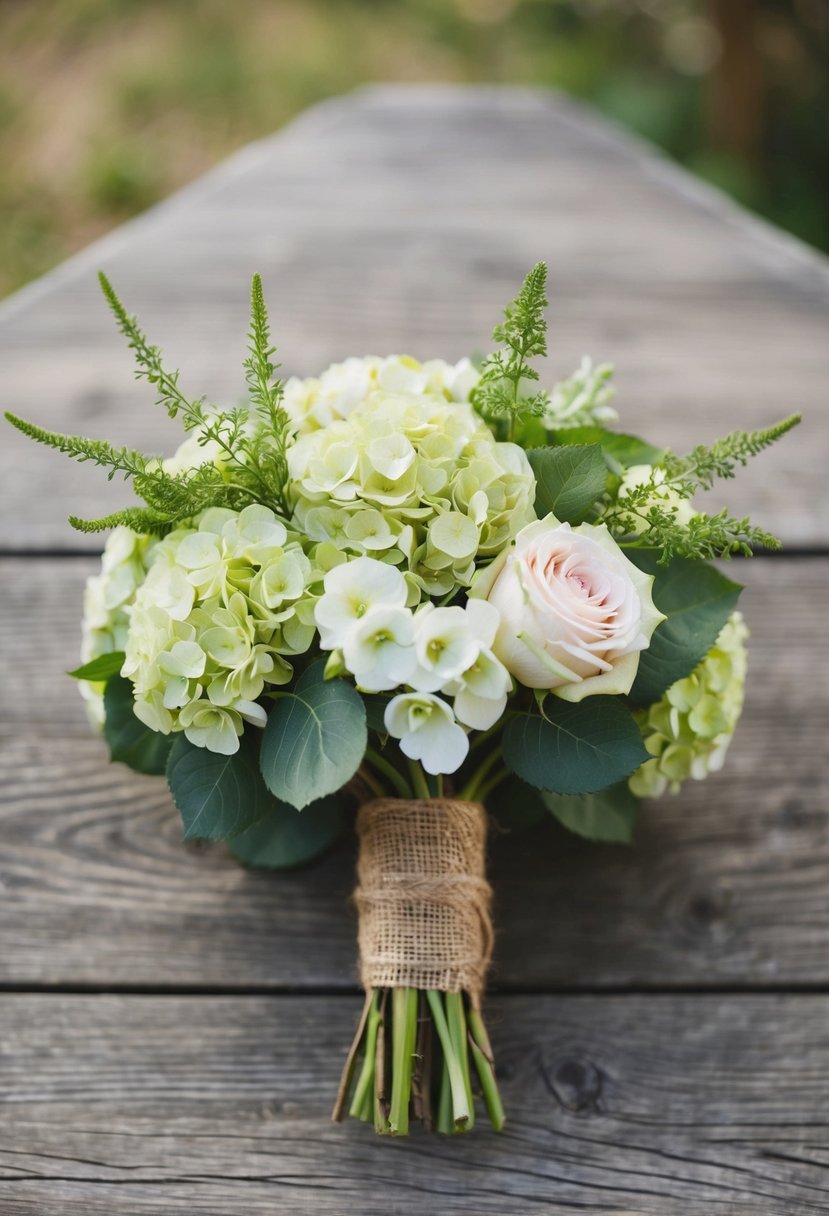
(568, 479)
(577, 749)
(288, 837)
(697, 600)
(608, 815)
(130, 741)
(314, 742)
(218, 796)
(622, 450)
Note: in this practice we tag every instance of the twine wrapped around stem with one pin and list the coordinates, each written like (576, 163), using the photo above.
(422, 897)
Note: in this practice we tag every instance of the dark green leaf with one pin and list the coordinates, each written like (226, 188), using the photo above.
(130, 741)
(375, 705)
(314, 673)
(101, 669)
(516, 805)
(580, 749)
(314, 742)
(568, 480)
(288, 838)
(623, 450)
(218, 796)
(608, 815)
(697, 601)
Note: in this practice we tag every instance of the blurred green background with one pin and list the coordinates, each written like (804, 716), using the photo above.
(108, 105)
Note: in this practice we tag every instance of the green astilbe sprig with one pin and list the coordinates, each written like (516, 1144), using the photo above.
(273, 434)
(647, 515)
(523, 332)
(98, 451)
(702, 466)
(251, 465)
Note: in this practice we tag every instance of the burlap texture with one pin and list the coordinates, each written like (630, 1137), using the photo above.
(422, 897)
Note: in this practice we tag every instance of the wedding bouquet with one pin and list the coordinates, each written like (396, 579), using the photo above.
(425, 589)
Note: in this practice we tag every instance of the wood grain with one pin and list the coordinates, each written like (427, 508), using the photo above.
(726, 883)
(622, 1105)
(403, 220)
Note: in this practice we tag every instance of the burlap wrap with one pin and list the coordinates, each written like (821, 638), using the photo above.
(422, 897)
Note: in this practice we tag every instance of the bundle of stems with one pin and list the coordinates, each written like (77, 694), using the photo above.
(419, 1056)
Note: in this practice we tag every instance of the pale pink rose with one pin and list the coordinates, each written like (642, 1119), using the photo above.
(575, 612)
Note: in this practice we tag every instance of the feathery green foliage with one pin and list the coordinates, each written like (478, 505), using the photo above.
(140, 519)
(524, 334)
(150, 367)
(269, 448)
(228, 429)
(252, 462)
(116, 460)
(646, 516)
(701, 467)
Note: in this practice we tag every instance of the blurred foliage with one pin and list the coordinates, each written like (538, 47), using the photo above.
(108, 105)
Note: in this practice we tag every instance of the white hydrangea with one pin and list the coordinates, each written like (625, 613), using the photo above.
(225, 605)
(689, 730)
(363, 616)
(411, 477)
(315, 403)
(583, 399)
(107, 599)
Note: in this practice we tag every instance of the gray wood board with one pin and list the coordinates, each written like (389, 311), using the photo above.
(726, 883)
(403, 219)
(659, 1105)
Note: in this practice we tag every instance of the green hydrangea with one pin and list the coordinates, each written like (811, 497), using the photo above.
(225, 605)
(689, 730)
(107, 600)
(412, 478)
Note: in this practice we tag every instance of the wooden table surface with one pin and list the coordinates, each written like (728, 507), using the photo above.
(172, 1027)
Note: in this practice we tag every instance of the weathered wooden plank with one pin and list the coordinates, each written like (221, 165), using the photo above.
(403, 219)
(673, 1106)
(726, 883)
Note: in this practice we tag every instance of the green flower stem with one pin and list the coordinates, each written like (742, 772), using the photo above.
(420, 785)
(481, 737)
(470, 791)
(381, 1106)
(489, 786)
(482, 1055)
(388, 770)
(489, 1087)
(443, 1124)
(351, 1061)
(404, 1033)
(456, 1021)
(365, 1083)
(422, 1071)
(460, 1103)
(365, 774)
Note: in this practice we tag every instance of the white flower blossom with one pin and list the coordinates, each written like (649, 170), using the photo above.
(350, 591)
(444, 647)
(379, 651)
(426, 728)
(583, 399)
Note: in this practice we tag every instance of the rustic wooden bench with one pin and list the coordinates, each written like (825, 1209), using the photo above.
(171, 1027)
